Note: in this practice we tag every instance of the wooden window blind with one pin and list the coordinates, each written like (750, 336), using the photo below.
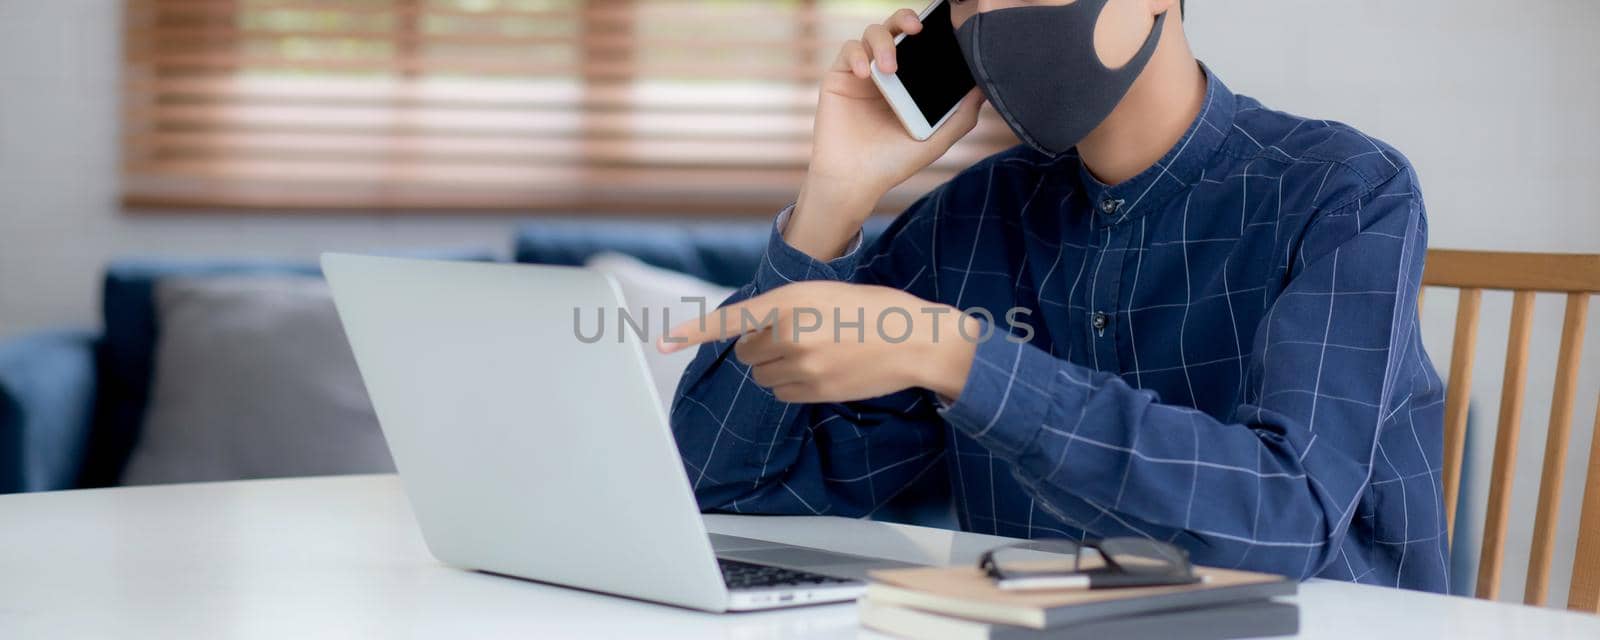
(682, 106)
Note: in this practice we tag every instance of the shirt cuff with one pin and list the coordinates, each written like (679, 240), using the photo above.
(1008, 396)
(782, 264)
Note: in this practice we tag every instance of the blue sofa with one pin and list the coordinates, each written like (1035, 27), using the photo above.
(72, 402)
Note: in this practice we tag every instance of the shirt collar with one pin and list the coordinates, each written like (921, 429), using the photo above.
(1179, 169)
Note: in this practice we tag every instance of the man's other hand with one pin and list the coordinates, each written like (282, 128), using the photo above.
(822, 341)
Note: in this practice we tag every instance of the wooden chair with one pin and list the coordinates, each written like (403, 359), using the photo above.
(1525, 274)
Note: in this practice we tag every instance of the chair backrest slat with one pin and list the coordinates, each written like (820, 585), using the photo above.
(1508, 271)
(1524, 274)
(1505, 445)
(1585, 592)
(1537, 587)
(1462, 354)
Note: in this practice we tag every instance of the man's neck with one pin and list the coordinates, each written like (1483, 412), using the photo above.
(1154, 115)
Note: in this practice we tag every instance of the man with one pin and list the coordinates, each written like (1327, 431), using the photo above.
(1209, 333)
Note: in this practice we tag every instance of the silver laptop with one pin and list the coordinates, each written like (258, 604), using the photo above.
(527, 452)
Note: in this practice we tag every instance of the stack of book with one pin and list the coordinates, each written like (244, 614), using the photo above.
(962, 602)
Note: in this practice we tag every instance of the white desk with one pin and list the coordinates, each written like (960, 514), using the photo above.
(342, 558)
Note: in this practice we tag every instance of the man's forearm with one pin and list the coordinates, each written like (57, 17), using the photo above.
(827, 216)
(1100, 453)
(943, 366)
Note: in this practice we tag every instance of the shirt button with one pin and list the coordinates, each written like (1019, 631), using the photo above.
(1100, 320)
(1110, 205)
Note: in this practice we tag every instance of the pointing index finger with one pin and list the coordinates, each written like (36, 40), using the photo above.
(730, 321)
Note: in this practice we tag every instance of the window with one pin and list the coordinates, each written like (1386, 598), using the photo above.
(681, 106)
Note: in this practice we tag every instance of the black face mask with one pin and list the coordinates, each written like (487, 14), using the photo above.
(1038, 67)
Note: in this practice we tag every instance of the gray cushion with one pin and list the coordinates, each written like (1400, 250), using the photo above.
(253, 379)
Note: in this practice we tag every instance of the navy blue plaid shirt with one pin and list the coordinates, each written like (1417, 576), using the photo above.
(1225, 355)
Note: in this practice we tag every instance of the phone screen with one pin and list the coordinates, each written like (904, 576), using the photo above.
(932, 68)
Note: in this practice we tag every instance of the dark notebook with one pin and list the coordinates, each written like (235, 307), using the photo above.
(965, 592)
(1243, 620)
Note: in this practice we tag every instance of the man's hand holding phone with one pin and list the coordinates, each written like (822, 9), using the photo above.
(860, 150)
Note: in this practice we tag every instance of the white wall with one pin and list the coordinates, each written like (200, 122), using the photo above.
(1495, 102)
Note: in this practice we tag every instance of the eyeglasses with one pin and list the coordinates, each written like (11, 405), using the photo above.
(1091, 564)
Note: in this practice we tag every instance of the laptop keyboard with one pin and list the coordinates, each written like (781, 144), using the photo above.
(745, 575)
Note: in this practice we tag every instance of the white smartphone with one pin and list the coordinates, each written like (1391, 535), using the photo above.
(932, 75)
